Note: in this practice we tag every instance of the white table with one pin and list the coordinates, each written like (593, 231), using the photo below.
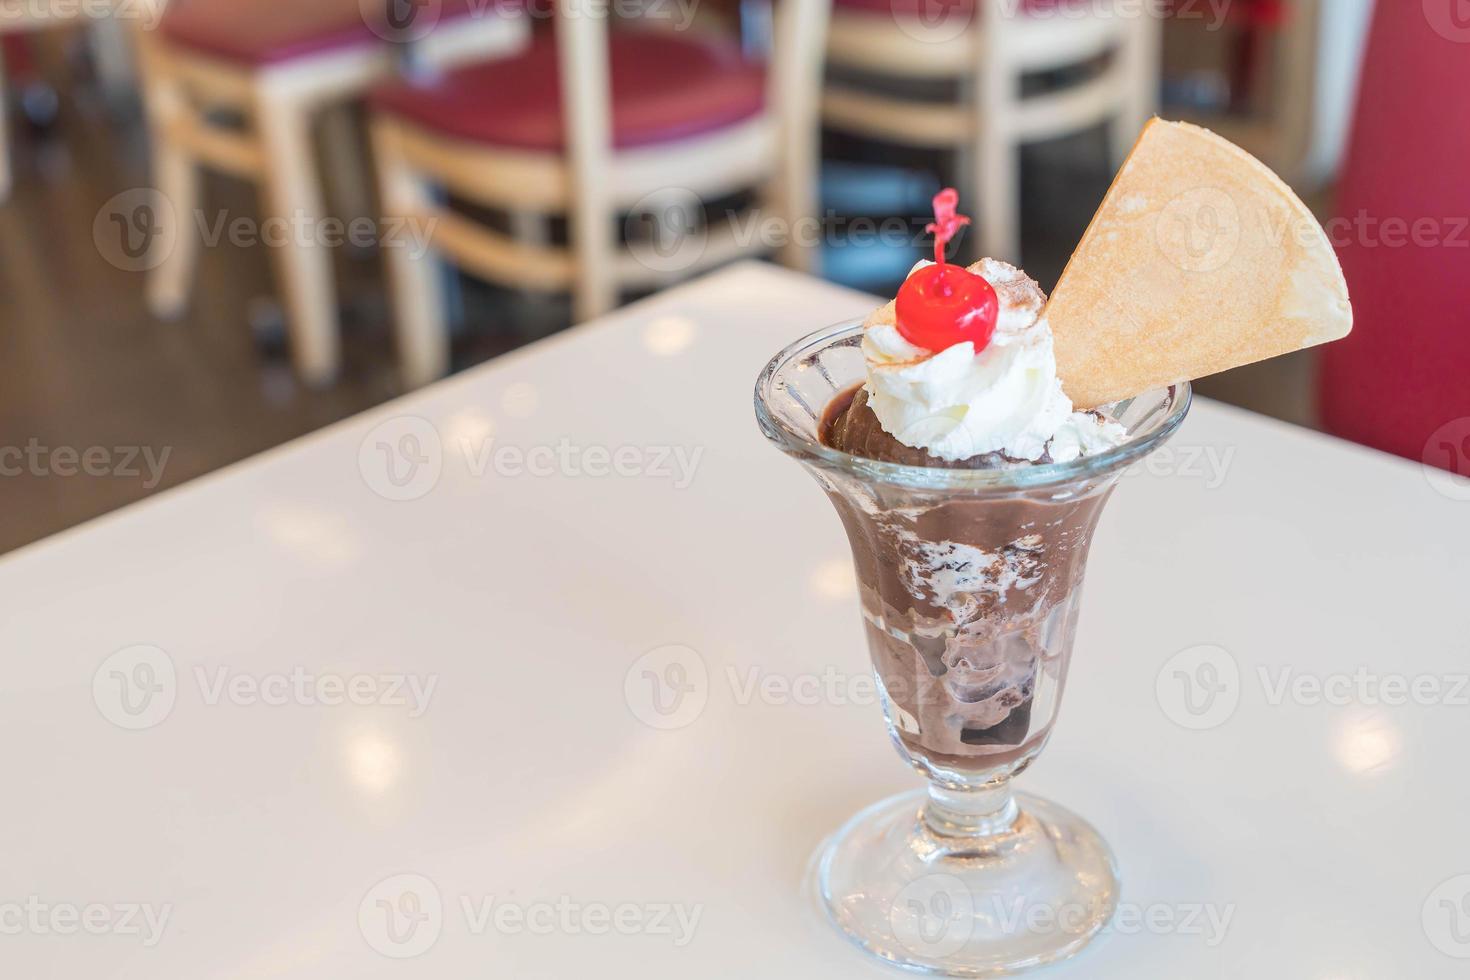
(1331, 835)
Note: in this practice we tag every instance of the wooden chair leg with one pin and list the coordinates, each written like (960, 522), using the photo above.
(530, 228)
(583, 65)
(996, 101)
(1139, 61)
(176, 177)
(414, 281)
(113, 57)
(7, 177)
(794, 93)
(303, 263)
(967, 180)
(345, 164)
(999, 203)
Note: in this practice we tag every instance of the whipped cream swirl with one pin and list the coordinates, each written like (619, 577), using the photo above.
(955, 403)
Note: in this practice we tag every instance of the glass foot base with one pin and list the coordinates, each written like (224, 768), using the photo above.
(1032, 894)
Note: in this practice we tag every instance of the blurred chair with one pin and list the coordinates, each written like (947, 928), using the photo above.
(986, 51)
(1276, 96)
(24, 17)
(7, 175)
(236, 85)
(587, 125)
(1401, 381)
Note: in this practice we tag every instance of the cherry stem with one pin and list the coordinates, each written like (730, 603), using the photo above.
(947, 221)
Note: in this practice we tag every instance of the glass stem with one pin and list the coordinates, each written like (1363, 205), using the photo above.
(983, 810)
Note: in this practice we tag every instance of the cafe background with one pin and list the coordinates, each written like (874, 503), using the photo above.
(227, 223)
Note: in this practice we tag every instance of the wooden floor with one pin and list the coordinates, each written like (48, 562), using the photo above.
(84, 366)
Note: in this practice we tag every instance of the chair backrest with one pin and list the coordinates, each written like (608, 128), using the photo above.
(1401, 380)
(792, 96)
(793, 85)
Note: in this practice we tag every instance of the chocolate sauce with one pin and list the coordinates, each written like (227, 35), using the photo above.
(970, 597)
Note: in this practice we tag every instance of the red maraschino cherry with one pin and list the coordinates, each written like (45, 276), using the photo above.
(942, 305)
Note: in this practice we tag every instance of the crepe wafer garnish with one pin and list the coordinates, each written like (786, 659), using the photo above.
(1199, 260)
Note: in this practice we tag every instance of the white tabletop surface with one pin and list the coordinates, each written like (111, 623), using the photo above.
(231, 815)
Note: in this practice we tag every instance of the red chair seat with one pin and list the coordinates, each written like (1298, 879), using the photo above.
(260, 32)
(664, 88)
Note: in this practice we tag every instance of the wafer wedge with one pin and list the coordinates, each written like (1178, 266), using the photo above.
(1199, 260)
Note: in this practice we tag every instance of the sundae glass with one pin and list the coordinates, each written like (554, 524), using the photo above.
(971, 584)
(969, 434)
